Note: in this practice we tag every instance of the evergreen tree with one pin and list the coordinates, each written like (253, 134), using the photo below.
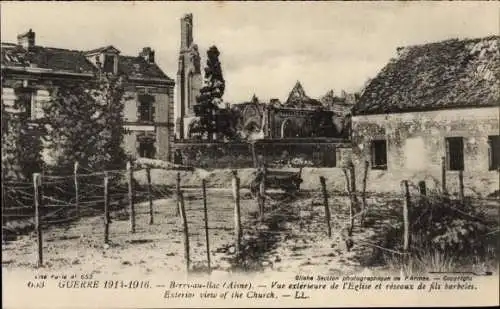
(211, 94)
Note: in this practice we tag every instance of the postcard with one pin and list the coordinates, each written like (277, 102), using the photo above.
(174, 154)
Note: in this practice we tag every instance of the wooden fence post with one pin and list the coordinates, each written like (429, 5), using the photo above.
(347, 181)
(347, 185)
(262, 193)
(325, 203)
(131, 196)
(37, 183)
(106, 207)
(205, 210)
(178, 192)
(150, 195)
(237, 215)
(422, 188)
(3, 189)
(354, 204)
(443, 175)
(254, 155)
(259, 197)
(363, 193)
(3, 200)
(186, 232)
(461, 185)
(423, 192)
(406, 221)
(77, 193)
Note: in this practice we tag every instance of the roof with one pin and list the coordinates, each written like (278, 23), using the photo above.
(138, 67)
(57, 60)
(449, 74)
(61, 60)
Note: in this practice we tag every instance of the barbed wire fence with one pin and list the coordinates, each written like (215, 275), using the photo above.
(61, 200)
(208, 224)
(348, 216)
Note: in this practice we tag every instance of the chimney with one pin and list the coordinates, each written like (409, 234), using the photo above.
(26, 40)
(148, 54)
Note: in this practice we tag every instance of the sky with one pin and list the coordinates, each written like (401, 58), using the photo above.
(265, 46)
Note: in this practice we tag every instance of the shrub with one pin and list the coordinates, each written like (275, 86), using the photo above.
(443, 234)
(446, 225)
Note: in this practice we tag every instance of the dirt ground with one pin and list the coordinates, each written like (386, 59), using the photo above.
(294, 238)
(291, 237)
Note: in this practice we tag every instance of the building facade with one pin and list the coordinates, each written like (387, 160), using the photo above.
(435, 104)
(31, 72)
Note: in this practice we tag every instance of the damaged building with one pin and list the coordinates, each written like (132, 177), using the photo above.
(298, 117)
(31, 72)
(434, 104)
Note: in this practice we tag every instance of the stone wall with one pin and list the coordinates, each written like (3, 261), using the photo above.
(416, 144)
(215, 155)
(272, 152)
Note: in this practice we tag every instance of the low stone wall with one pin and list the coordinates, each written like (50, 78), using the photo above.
(214, 155)
(377, 181)
(313, 153)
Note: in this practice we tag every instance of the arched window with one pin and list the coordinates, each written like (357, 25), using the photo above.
(287, 129)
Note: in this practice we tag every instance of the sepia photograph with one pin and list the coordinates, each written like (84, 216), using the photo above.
(250, 154)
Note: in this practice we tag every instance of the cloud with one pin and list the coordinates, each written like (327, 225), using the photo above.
(265, 47)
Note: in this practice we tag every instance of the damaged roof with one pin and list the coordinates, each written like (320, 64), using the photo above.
(448, 74)
(57, 60)
(299, 99)
(138, 67)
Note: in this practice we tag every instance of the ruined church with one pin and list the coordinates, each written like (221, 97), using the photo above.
(298, 117)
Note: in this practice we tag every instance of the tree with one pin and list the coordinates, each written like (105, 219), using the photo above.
(85, 124)
(211, 94)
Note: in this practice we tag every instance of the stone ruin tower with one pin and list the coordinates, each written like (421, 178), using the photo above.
(189, 78)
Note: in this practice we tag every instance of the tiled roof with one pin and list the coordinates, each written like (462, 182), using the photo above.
(137, 67)
(447, 74)
(72, 61)
(61, 60)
